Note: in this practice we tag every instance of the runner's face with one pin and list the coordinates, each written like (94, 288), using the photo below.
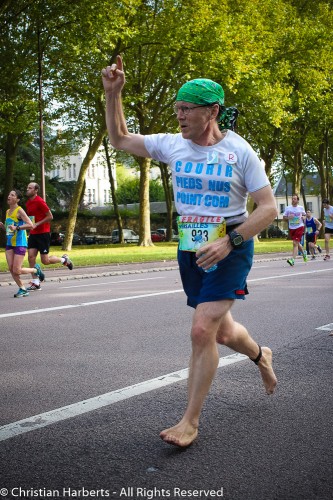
(12, 198)
(294, 201)
(193, 124)
(31, 191)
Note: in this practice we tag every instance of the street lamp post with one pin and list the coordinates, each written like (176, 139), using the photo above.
(41, 122)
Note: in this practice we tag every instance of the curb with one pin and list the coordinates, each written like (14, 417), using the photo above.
(87, 275)
(69, 277)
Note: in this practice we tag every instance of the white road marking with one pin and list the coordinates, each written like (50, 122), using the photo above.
(113, 282)
(85, 304)
(106, 301)
(291, 274)
(328, 327)
(88, 405)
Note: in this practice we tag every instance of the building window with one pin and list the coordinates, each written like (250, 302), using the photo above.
(93, 171)
(282, 207)
(93, 196)
(309, 205)
(69, 172)
(74, 170)
(89, 195)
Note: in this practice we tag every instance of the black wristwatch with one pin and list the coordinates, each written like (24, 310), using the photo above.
(18, 228)
(236, 239)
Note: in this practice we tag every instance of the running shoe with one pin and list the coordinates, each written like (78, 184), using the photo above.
(327, 257)
(291, 262)
(305, 257)
(39, 273)
(33, 287)
(313, 257)
(319, 249)
(21, 293)
(68, 263)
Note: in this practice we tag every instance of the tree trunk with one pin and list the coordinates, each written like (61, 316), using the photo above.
(144, 215)
(93, 148)
(323, 174)
(113, 190)
(303, 196)
(12, 143)
(165, 176)
(298, 162)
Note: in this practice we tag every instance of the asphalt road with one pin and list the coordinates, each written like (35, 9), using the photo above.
(93, 368)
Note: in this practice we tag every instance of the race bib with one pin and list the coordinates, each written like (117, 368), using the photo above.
(9, 232)
(295, 220)
(195, 231)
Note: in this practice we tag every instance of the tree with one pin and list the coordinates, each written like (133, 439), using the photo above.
(17, 92)
(113, 190)
(280, 79)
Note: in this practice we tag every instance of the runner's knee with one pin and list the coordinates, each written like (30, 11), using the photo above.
(201, 334)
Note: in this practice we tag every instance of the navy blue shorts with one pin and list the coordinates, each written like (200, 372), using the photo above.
(228, 281)
(311, 237)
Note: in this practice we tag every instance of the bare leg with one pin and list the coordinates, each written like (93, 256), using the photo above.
(236, 337)
(10, 261)
(15, 267)
(203, 365)
(46, 259)
(32, 255)
(327, 243)
(213, 323)
(295, 249)
(312, 248)
(50, 259)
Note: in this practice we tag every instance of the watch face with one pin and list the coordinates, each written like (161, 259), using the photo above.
(238, 240)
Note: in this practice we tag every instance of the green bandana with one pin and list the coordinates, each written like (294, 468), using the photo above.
(201, 91)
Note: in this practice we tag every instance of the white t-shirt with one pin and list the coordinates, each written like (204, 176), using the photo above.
(327, 213)
(297, 213)
(210, 180)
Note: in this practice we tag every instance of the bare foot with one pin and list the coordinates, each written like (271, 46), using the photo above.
(182, 434)
(266, 370)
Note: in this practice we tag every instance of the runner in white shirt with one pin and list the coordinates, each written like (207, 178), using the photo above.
(295, 215)
(213, 169)
(328, 220)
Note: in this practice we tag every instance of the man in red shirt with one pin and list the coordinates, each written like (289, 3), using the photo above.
(39, 237)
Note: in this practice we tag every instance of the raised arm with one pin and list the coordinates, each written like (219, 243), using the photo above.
(318, 224)
(113, 78)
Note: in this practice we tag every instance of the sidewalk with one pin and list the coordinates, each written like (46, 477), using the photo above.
(63, 274)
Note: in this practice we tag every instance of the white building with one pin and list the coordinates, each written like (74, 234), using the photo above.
(311, 186)
(97, 190)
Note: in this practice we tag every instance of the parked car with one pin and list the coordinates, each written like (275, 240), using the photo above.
(129, 236)
(174, 237)
(96, 239)
(157, 237)
(276, 232)
(89, 240)
(58, 239)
